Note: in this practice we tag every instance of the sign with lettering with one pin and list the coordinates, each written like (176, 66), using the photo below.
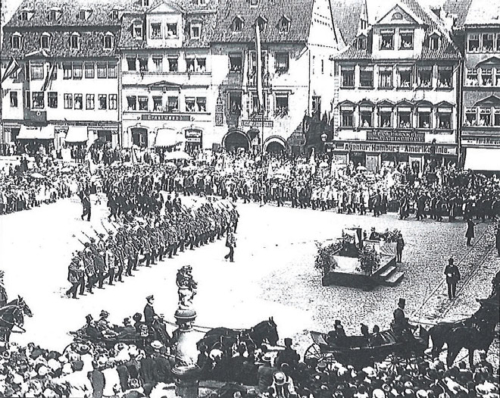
(167, 117)
(257, 123)
(193, 135)
(369, 147)
(481, 141)
(219, 112)
(395, 136)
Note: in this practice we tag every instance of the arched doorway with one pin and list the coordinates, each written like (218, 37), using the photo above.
(140, 137)
(275, 145)
(235, 140)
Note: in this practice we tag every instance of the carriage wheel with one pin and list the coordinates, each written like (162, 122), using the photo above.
(314, 353)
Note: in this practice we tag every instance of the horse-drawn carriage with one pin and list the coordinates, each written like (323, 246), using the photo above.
(81, 336)
(360, 351)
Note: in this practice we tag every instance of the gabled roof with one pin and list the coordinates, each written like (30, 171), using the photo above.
(458, 8)
(299, 12)
(483, 12)
(402, 9)
(346, 17)
(492, 100)
(492, 61)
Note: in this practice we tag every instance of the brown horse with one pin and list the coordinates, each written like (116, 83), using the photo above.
(12, 316)
(474, 333)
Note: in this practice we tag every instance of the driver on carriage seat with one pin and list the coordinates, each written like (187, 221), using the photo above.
(399, 325)
(337, 336)
(104, 326)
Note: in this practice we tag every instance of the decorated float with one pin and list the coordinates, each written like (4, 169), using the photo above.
(355, 260)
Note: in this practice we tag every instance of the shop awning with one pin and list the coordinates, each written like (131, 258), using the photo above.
(482, 159)
(77, 134)
(167, 137)
(36, 133)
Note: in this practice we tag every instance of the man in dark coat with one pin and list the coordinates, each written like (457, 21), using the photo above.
(400, 245)
(149, 312)
(469, 234)
(452, 277)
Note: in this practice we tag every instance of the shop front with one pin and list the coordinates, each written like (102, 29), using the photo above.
(34, 139)
(194, 140)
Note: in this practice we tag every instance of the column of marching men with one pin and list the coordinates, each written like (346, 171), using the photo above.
(107, 258)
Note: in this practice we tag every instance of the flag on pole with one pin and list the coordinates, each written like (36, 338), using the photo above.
(48, 77)
(260, 93)
(12, 68)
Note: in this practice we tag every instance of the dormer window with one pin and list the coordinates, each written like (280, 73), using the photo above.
(115, 14)
(16, 41)
(145, 3)
(363, 24)
(237, 25)
(26, 14)
(195, 30)
(85, 14)
(284, 24)
(171, 30)
(262, 23)
(55, 14)
(434, 42)
(362, 42)
(45, 41)
(108, 41)
(199, 2)
(137, 30)
(74, 41)
(254, 3)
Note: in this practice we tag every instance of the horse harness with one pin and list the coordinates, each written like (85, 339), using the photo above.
(17, 309)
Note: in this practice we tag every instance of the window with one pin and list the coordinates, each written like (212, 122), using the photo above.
(45, 41)
(131, 103)
(108, 41)
(103, 102)
(28, 99)
(54, 14)
(470, 117)
(404, 119)
(137, 30)
(406, 39)
(444, 120)
(434, 42)
(90, 101)
(498, 41)
(254, 3)
(156, 31)
(473, 42)
(387, 39)
(113, 101)
(112, 70)
(364, 24)
(84, 14)
(68, 101)
(157, 104)
(488, 42)
(190, 64)
(143, 64)
(54, 71)
(385, 118)
(190, 104)
(89, 70)
(485, 117)
(262, 23)
(37, 72)
(173, 104)
(281, 109)
(496, 118)
(424, 76)
(131, 64)
(472, 78)
(173, 65)
(366, 118)
(16, 41)
(143, 103)
(497, 76)
(201, 104)
(78, 101)
(362, 43)
(405, 76)
(201, 65)
(102, 70)
(145, 3)
(487, 77)
(171, 30)
(347, 76)
(385, 77)
(347, 118)
(195, 31)
(13, 99)
(235, 63)
(255, 105)
(445, 76)
(52, 99)
(26, 14)
(316, 105)
(74, 41)
(158, 63)
(235, 103)
(282, 62)
(237, 25)
(115, 14)
(366, 76)
(424, 120)
(322, 66)
(27, 70)
(284, 25)
(77, 70)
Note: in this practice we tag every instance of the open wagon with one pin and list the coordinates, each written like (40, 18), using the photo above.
(361, 351)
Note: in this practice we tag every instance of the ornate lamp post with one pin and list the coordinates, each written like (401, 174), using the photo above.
(186, 371)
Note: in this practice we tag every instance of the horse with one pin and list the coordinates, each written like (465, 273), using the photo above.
(12, 315)
(265, 331)
(474, 333)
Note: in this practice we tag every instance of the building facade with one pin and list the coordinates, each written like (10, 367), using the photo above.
(399, 85)
(60, 74)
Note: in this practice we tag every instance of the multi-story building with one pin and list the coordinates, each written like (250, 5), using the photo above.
(399, 85)
(166, 75)
(60, 73)
(298, 41)
(477, 30)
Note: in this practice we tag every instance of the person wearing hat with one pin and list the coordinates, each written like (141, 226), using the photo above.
(265, 373)
(469, 234)
(452, 277)
(288, 355)
(149, 311)
(400, 325)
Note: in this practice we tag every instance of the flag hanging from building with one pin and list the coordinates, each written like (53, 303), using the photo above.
(260, 94)
(48, 77)
(12, 68)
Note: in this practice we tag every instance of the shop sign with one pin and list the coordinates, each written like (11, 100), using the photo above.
(166, 117)
(395, 136)
(219, 112)
(481, 141)
(362, 147)
(257, 123)
(193, 136)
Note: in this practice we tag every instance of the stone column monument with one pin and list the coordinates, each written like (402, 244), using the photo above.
(186, 371)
